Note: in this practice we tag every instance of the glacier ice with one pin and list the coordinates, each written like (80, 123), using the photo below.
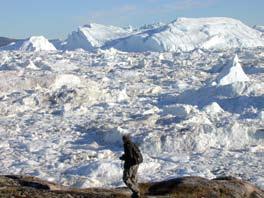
(232, 73)
(62, 114)
(187, 34)
(93, 36)
(34, 43)
(180, 35)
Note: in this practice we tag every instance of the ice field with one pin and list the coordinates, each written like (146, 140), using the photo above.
(62, 114)
(190, 93)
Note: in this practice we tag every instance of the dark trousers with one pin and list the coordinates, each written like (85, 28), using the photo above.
(130, 178)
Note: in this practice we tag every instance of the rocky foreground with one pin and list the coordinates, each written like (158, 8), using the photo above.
(185, 187)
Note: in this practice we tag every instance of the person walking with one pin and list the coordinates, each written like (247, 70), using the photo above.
(132, 157)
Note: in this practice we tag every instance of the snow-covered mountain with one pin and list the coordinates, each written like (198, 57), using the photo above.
(183, 34)
(34, 43)
(186, 34)
(93, 36)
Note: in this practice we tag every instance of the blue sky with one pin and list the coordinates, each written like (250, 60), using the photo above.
(57, 18)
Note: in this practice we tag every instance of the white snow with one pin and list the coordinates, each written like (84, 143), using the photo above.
(261, 115)
(179, 110)
(63, 113)
(187, 34)
(259, 28)
(31, 65)
(213, 108)
(93, 36)
(37, 43)
(66, 80)
(183, 34)
(232, 73)
(34, 43)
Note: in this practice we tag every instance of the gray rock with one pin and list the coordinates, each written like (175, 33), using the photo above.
(185, 187)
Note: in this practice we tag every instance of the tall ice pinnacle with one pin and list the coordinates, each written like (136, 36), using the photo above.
(232, 73)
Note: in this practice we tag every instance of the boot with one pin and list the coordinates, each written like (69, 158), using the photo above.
(135, 195)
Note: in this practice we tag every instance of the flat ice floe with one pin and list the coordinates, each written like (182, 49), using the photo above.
(62, 115)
